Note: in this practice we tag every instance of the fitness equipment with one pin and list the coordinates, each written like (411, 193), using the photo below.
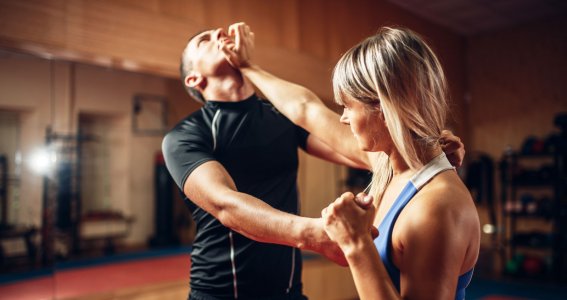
(513, 266)
(533, 146)
(61, 210)
(533, 266)
(165, 234)
(528, 203)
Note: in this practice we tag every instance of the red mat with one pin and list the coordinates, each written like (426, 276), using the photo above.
(503, 298)
(99, 279)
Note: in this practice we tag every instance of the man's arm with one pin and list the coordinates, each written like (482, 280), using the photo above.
(213, 189)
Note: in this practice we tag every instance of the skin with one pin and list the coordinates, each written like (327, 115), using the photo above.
(305, 109)
(436, 237)
(211, 187)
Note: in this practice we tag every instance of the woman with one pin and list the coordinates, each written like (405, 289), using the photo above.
(393, 92)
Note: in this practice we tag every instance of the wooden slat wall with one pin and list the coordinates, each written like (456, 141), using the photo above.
(298, 40)
(100, 32)
(517, 80)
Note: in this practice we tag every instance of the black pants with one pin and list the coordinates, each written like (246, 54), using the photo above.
(293, 295)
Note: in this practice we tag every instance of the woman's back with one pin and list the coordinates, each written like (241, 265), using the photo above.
(434, 236)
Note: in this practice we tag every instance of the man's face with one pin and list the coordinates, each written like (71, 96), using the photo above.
(205, 50)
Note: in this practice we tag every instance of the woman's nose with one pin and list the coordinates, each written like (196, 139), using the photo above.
(344, 119)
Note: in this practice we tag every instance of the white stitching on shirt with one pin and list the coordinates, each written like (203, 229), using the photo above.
(233, 265)
(214, 127)
(292, 270)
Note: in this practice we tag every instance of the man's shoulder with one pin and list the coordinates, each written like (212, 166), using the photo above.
(193, 121)
(192, 126)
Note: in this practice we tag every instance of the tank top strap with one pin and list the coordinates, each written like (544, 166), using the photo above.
(437, 165)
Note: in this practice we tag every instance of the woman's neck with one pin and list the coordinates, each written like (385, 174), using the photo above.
(400, 166)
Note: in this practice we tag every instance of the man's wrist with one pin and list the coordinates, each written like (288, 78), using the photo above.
(307, 234)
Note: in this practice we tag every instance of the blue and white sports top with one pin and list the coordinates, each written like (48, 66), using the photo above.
(384, 241)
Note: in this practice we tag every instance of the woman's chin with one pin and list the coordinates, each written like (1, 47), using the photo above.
(369, 147)
(364, 147)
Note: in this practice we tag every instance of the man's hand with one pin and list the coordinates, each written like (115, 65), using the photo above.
(318, 241)
(239, 54)
(453, 148)
(350, 219)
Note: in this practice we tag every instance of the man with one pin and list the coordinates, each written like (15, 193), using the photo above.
(236, 161)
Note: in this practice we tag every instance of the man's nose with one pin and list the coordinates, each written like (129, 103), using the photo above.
(219, 33)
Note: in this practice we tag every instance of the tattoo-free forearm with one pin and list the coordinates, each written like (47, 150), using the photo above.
(305, 109)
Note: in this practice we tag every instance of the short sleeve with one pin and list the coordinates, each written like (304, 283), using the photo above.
(302, 135)
(184, 151)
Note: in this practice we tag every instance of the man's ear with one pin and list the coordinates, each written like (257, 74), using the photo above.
(193, 80)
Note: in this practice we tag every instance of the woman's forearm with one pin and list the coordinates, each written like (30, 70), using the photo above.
(370, 276)
(305, 109)
(293, 100)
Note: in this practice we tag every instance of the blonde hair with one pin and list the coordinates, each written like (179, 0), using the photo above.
(398, 72)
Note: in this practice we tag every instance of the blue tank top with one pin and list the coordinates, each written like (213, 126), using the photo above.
(384, 241)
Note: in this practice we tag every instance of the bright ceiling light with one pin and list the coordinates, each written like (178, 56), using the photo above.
(42, 161)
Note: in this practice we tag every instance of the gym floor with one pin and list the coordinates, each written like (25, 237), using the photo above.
(163, 274)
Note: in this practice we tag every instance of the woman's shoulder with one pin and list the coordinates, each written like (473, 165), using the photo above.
(445, 186)
(445, 195)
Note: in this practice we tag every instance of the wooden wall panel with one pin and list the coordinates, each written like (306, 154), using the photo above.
(291, 28)
(314, 28)
(99, 32)
(265, 18)
(324, 280)
(218, 13)
(296, 39)
(130, 35)
(146, 5)
(33, 22)
(517, 81)
(329, 28)
(191, 10)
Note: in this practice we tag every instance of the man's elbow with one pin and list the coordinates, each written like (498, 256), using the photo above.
(226, 215)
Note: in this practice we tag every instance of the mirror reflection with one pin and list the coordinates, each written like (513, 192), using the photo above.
(79, 184)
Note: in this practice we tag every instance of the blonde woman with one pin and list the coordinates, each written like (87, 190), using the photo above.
(393, 92)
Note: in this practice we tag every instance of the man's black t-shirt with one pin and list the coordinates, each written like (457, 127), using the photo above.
(258, 147)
